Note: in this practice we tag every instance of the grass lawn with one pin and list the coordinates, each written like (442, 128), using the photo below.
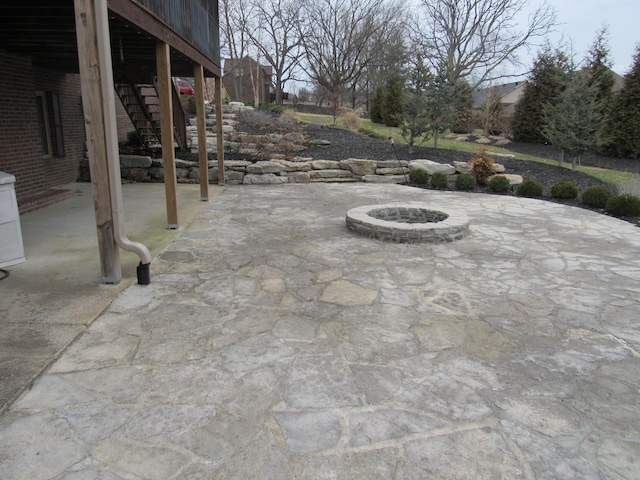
(625, 180)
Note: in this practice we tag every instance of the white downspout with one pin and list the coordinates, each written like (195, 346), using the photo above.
(111, 141)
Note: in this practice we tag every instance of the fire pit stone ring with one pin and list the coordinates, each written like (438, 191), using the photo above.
(407, 223)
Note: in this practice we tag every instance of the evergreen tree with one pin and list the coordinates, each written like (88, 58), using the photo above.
(574, 124)
(462, 115)
(624, 121)
(415, 122)
(546, 82)
(393, 104)
(375, 111)
(440, 102)
(598, 65)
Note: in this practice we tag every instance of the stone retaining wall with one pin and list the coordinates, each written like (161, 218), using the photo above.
(284, 166)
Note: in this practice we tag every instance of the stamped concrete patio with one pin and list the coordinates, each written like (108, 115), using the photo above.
(274, 344)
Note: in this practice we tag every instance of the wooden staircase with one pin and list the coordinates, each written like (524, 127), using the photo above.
(143, 107)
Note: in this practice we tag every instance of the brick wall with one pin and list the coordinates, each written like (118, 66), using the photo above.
(123, 121)
(20, 146)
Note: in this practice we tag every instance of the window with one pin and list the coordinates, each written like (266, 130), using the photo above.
(43, 125)
(50, 124)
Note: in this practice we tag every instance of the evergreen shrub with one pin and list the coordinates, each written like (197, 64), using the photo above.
(624, 205)
(419, 176)
(530, 188)
(499, 184)
(134, 138)
(439, 180)
(596, 197)
(564, 189)
(465, 182)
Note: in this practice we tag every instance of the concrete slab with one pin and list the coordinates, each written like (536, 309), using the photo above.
(48, 301)
(273, 343)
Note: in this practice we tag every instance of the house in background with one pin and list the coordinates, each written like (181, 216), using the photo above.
(61, 62)
(508, 93)
(245, 79)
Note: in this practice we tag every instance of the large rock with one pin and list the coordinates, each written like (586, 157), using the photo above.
(233, 178)
(462, 167)
(264, 167)
(513, 179)
(359, 166)
(267, 179)
(325, 165)
(432, 167)
(392, 171)
(294, 166)
(237, 165)
(331, 173)
(319, 142)
(392, 163)
(384, 179)
(294, 137)
(134, 161)
(298, 177)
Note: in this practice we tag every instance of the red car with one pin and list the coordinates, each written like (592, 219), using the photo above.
(184, 87)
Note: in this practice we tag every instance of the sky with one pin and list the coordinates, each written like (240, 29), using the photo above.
(580, 20)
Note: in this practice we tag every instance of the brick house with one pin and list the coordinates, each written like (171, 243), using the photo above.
(244, 77)
(60, 64)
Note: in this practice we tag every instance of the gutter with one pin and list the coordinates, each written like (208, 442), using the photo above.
(111, 141)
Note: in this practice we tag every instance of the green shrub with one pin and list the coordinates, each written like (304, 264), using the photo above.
(419, 176)
(596, 197)
(466, 182)
(499, 184)
(134, 138)
(439, 180)
(273, 107)
(564, 189)
(530, 188)
(370, 132)
(624, 205)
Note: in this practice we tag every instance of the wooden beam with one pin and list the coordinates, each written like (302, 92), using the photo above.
(198, 75)
(166, 132)
(135, 13)
(96, 138)
(220, 145)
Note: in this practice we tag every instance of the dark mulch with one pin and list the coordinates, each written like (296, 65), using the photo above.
(346, 144)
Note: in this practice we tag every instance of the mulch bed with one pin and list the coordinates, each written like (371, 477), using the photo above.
(346, 144)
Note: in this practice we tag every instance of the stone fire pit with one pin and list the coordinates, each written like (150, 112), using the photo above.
(407, 223)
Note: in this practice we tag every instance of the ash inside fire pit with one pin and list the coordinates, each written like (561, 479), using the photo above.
(408, 215)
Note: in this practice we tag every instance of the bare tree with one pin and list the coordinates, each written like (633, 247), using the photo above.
(342, 37)
(276, 36)
(474, 38)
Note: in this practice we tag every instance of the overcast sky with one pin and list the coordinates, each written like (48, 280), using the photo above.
(580, 20)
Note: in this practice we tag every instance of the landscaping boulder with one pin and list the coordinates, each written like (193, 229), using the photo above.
(264, 167)
(359, 166)
(432, 167)
(266, 179)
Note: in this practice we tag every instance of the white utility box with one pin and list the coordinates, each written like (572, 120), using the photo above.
(11, 248)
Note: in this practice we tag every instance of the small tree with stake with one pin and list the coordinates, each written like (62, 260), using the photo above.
(415, 123)
(574, 123)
